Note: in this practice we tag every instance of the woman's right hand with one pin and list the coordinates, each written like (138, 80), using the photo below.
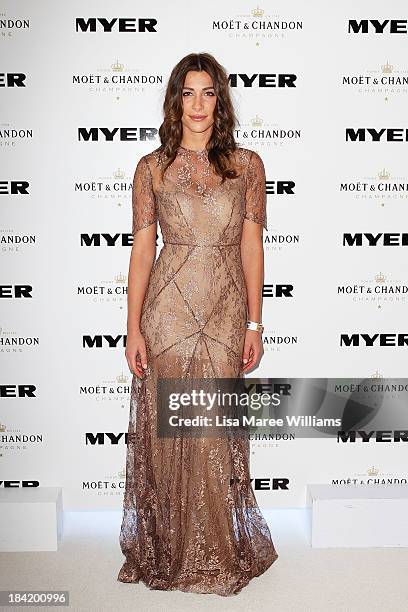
(136, 354)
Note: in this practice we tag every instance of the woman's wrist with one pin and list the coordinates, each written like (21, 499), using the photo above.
(254, 325)
(133, 330)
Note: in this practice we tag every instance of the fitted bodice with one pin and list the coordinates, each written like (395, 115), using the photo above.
(192, 203)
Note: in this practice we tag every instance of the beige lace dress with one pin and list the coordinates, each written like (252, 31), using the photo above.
(184, 525)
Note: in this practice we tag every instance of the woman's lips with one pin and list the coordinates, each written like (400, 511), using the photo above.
(197, 117)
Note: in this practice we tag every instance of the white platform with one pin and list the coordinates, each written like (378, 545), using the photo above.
(30, 519)
(358, 515)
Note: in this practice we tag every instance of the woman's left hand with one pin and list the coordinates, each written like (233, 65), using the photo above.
(253, 350)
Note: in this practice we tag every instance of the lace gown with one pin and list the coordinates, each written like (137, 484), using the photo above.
(184, 525)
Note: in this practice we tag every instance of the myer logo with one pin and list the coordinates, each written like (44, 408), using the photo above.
(104, 134)
(99, 438)
(387, 239)
(373, 135)
(364, 26)
(398, 435)
(17, 390)
(13, 187)
(16, 291)
(280, 187)
(277, 291)
(99, 341)
(262, 80)
(266, 484)
(109, 240)
(12, 79)
(375, 339)
(119, 24)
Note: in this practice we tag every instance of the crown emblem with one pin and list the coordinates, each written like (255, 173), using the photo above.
(384, 175)
(122, 379)
(120, 278)
(117, 67)
(380, 278)
(119, 174)
(376, 375)
(387, 68)
(372, 471)
(2, 427)
(122, 473)
(257, 12)
(257, 121)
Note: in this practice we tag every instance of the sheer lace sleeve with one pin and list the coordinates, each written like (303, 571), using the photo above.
(144, 210)
(255, 198)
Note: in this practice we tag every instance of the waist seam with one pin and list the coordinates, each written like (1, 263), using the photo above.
(204, 245)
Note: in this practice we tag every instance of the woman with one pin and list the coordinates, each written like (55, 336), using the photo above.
(185, 526)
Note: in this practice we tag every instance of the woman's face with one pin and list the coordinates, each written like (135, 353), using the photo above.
(199, 102)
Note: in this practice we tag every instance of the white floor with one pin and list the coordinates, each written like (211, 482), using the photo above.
(302, 579)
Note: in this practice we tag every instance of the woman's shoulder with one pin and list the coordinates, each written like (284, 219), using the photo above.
(245, 157)
(149, 161)
(151, 155)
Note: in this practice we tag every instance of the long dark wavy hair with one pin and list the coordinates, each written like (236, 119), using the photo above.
(222, 143)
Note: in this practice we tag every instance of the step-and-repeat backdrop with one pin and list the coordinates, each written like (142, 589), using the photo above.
(321, 94)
